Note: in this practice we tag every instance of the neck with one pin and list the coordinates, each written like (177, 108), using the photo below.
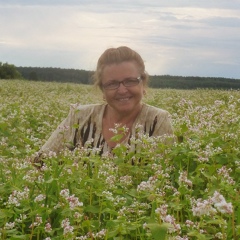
(123, 118)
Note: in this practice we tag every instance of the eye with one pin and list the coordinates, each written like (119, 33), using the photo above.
(111, 84)
(131, 82)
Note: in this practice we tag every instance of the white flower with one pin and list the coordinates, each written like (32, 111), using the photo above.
(147, 186)
(67, 228)
(48, 227)
(203, 207)
(39, 198)
(17, 196)
(21, 218)
(74, 202)
(64, 193)
(162, 210)
(183, 180)
(220, 203)
(38, 221)
(9, 225)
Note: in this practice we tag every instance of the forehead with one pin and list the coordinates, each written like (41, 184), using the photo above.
(120, 71)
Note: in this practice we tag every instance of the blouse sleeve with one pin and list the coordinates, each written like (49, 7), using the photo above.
(63, 135)
(163, 125)
(164, 128)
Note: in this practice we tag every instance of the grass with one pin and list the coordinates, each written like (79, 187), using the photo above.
(186, 191)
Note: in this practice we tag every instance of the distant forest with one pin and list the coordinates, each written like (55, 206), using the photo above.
(161, 81)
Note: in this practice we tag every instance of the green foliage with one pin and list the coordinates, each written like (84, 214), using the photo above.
(9, 71)
(191, 82)
(165, 81)
(56, 74)
(186, 191)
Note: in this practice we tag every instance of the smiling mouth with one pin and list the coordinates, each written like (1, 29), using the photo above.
(123, 99)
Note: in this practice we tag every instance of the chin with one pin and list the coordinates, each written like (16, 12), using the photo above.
(124, 109)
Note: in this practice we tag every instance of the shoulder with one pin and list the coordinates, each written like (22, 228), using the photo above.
(79, 112)
(77, 107)
(155, 121)
(153, 115)
(152, 111)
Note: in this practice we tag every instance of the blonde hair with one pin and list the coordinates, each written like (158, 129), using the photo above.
(115, 56)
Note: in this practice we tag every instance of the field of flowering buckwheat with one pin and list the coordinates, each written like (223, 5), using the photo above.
(190, 190)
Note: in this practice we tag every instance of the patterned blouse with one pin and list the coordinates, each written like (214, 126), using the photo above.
(83, 127)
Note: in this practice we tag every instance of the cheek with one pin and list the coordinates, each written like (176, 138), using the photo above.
(104, 96)
(142, 91)
(107, 96)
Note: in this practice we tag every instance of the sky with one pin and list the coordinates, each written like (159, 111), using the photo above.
(174, 37)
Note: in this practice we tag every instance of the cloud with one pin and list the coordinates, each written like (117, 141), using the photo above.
(180, 37)
(232, 22)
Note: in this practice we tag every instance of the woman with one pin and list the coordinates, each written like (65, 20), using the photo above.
(121, 76)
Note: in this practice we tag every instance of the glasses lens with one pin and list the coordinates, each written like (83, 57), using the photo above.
(130, 82)
(111, 85)
(127, 83)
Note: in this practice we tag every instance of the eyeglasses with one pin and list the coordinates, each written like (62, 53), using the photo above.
(129, 82)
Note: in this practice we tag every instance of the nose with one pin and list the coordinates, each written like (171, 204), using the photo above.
(122, 88)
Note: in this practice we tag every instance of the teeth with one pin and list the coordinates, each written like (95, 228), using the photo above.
(123, 99)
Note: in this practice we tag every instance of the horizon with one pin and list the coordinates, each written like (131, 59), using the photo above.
(148, 74)
(187, 38)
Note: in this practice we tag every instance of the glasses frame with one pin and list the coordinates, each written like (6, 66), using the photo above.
(123, 82)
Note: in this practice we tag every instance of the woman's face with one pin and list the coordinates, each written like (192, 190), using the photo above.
(123, 100)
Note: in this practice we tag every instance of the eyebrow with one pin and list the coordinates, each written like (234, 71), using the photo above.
(114, 80)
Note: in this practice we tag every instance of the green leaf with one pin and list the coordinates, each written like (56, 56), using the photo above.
(112, 234)
(109, 210)
(117, 137)
(216, 221)
(133, 193)
(19, 237)
(5, 213)
(184, 128)
(159, 232)
(92, 209)
(197, 234)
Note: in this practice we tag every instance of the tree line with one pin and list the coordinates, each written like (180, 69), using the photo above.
(9, 71)
(56, 74)
(191, 82)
